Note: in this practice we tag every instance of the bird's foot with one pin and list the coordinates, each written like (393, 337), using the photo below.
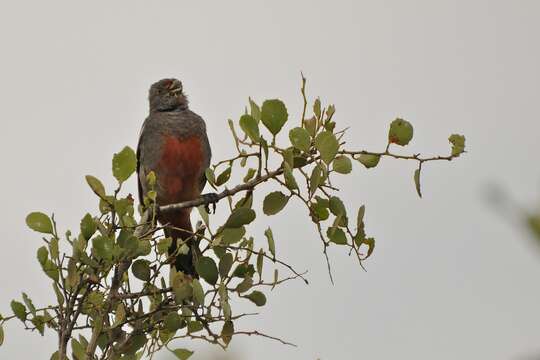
(210, 199)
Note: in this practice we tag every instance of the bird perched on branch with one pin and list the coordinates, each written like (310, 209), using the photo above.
(174, 145)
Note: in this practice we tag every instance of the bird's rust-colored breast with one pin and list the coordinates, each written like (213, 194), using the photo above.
(180, 167)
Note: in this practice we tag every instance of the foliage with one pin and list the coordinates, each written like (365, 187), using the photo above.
(113, 300)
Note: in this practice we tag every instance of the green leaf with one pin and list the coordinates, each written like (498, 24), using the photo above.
(274, 115)
(311, 126)
(336, 206)
(198, 292)
(79, 351)
(1, 335)
(194, 326)
(209, 173)
(260, 262)
(29, 304)
(274, 202)
(371, 243)
(19, 310)
(401, 132)
(163, 245)
(458, 144)
(88, 226)
(251, 127)
(225, 265)
(327, 145)
(342, 164)
(224, 176)
(249, 175)
(96, 185)
(417, 182)
(182, 354)
(271, 243)
(124, 164)
(255, 110)
(51, 270)
(369, 160)
(39, 222)
(239, 217)
(360, 217)
(227, 332)
(257, 298)
(317, 108)
(315, 179)
(232, 235)
(245, 285)
(172, 322)
(141, 269)
(207, 269)
(290, 181)
(336, 235)
(42, 255)
(102, 247)
(300, 139)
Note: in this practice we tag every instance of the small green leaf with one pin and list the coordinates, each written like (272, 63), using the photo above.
(194, 326)
(29, 304)
(141, 269)
(458, 144)
(1, 335)
(401, 132)
(102, 247)
(209, 174)
(249, 175)
(255, 110)
(19, 310)
(290, 181)
(417, 182)
(257, 298)
(271, 243)
(315, 179)
(163, 245)
(96, 185)
(232, 235)
(79, 351)
(342, 164)
(251, 127)
(245, 285)
(274, 115)
(225, 265)
(311, 126)
(336, 206)
(327, 145)
(274, 202)
(360, 217)
(371, 243)
(39, 222)
(227, 332)
(124, 164)
(182, 354)
(207, 269)
(239, 217)
(260, 262)
(88, 226)
(224, 176)
(369, 160)
(336, 235)
(300, 139)
(198, 292)
(317, 108)
(172, 322)
(42, 255)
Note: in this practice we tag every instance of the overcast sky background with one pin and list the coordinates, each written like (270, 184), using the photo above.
(450, 277)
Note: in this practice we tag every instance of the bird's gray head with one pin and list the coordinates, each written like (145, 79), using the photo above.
(167, 95)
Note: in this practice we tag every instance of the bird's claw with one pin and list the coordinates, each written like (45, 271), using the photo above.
(210, 199)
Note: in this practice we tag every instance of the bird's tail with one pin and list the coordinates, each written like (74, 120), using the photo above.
(181, 233)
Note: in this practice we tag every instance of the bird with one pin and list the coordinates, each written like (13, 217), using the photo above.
(173, 144)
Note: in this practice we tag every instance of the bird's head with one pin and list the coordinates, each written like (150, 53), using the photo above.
(167, 95)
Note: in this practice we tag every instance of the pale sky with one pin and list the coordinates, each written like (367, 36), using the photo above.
(450, 277)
